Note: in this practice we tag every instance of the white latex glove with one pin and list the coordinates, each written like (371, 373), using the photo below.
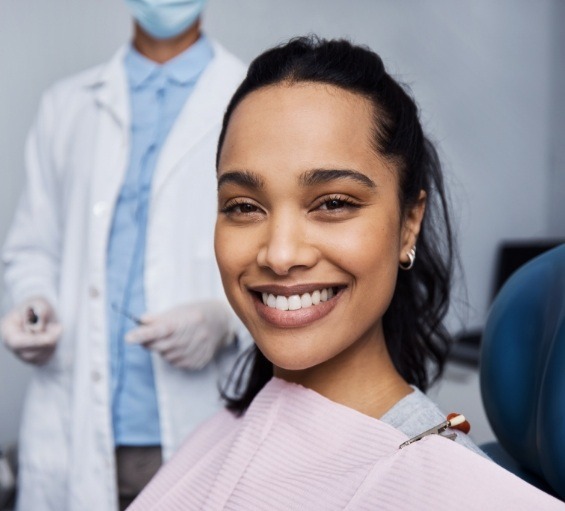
(187, 336)
(31, 330)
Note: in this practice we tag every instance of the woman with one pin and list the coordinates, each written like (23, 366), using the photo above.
(326, 188)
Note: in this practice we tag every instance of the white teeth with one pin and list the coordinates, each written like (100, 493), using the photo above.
(272, 301)
(282, 303)
(296, 302)
(305, 300)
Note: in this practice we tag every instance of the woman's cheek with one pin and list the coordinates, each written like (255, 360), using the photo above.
(233, 254)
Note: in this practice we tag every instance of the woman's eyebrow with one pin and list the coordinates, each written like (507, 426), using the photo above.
(242, 178)
(317, 176)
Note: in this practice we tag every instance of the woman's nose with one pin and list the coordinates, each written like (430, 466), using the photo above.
(286, 246)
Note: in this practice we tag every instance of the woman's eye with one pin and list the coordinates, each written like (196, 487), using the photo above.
(337, 203)
(240, 208)
(334, 204)
(245, 208)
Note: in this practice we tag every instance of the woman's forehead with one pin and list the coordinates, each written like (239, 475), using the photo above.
(302, 98)
(302, 122)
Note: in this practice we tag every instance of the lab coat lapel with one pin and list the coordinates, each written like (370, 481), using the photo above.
(111, 90)
(200, 114)
(112, 137)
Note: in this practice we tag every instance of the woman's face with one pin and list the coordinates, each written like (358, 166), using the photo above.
(310, 230)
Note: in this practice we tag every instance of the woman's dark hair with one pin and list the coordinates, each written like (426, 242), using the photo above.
(413, 324)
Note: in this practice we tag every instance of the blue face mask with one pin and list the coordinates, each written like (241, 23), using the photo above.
(164, 19)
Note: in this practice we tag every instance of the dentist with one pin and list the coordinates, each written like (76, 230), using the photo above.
(110, 265)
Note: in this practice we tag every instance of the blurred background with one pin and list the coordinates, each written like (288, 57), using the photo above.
(489, 78)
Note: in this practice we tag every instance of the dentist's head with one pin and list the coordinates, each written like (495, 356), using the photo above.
(165, 19)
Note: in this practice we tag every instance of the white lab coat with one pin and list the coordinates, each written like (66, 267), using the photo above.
(77, 154)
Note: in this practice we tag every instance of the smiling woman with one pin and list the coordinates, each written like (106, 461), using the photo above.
(324, 176)
(310, 236)
(326, 186)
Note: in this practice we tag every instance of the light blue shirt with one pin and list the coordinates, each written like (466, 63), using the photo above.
(157, 95)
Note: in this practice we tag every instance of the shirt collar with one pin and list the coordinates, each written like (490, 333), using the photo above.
(182, 69)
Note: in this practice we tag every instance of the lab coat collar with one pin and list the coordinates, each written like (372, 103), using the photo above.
(109, 86)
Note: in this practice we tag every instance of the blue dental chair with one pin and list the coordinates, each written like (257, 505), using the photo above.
(522, 373)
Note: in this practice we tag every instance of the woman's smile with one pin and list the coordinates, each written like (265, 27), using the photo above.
(297, 305)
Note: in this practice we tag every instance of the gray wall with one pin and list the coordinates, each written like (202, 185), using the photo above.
(487, 75)
(556, 193)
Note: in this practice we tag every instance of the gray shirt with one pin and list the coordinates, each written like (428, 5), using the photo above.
(416, 413)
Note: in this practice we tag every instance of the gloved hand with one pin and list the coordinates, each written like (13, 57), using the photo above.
(31, 330)
(186, 336)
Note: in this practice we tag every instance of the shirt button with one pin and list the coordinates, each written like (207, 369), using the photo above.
(100, 208)
(93, 292)
(96, 376)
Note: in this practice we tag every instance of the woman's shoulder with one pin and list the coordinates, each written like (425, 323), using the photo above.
(416, 413)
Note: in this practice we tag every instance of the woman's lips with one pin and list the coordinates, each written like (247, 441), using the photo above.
(286, 308)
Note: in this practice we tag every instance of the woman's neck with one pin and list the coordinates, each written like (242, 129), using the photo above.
(365, 380)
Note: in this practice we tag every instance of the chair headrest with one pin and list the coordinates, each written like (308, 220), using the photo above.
(523, 367)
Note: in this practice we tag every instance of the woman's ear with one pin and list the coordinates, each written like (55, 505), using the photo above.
(411, 225)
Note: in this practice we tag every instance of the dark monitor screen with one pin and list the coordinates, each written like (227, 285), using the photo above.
(513, 254)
